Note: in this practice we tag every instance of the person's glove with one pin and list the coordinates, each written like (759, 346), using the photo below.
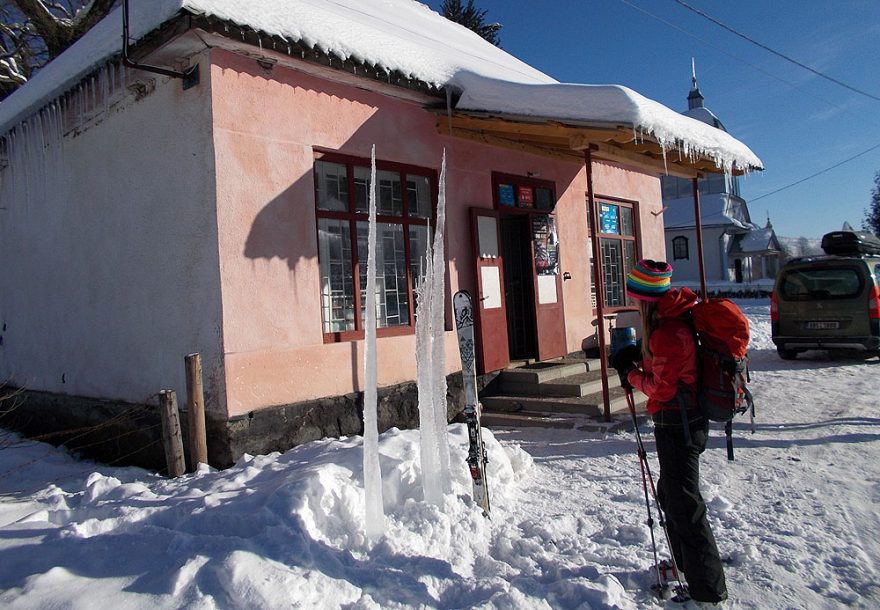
(624, 360)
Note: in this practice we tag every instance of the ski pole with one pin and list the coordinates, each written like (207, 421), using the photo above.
(646, 479)
(642, 464)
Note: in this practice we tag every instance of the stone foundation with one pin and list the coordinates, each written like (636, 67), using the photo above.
(120, 433)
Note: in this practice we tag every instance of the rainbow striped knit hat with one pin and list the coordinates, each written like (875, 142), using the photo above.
(649, 280)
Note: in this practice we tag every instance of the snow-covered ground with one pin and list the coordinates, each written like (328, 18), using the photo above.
(795, 515)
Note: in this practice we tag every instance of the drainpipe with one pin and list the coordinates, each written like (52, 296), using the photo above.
(599, 280)
(698, 221)
(190, 76)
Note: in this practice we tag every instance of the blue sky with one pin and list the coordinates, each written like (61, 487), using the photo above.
(795, 121)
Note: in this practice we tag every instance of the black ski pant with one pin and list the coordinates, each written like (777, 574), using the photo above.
(678, 491)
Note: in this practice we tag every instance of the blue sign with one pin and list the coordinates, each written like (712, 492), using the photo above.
(608, 219)
(505, 194)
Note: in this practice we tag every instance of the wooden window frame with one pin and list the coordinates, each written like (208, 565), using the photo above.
(635, 238)
(353, 217)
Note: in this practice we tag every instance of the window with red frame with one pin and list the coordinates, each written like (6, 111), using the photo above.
(617, 243)
(404, 208)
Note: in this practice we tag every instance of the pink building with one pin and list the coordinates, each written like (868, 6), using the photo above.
(147, 219)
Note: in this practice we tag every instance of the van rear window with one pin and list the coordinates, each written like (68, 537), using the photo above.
(822, 283)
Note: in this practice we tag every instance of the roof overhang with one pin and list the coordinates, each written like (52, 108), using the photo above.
(567, 140)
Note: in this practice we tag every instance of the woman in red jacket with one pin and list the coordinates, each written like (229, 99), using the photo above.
(667, 374)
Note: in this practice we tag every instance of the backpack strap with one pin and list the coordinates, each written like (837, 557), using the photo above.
(680, 398)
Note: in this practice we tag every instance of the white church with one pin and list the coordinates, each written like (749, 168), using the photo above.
(736, 251)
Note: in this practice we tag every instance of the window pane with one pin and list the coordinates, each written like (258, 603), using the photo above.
(613, 267)
(389, 200)
(337, 276)
(626, 221)
(544, 199)
(629, 261)
(331, 186)
(680, 248)
(391, 299)
(418, 193)
(822, 283)
(418, 247)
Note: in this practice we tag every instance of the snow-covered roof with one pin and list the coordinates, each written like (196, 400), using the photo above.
(715, 210)
(403, 36)
(706, 116)
(757, 240)
(611, 104)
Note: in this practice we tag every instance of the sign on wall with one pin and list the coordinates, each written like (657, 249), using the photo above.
(546, 244)
(608, 219)
(505, 195)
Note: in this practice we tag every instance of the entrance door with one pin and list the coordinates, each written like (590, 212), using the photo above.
(547, 287)
(519, 293)
(492, 345)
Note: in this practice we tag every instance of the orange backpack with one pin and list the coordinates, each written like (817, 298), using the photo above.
(722, 333)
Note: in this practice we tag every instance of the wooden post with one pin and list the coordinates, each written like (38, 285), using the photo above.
(195, 400)
(698, 223)
(599, 281)
(171, 437)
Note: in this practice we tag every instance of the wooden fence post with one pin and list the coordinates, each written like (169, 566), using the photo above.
(171, 437)
(195, 400)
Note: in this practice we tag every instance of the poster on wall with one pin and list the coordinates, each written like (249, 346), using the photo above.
(525, 197)
(505, 195)
(608, 219)
(546, 244)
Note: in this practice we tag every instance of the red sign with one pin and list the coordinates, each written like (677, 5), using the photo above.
(524, 197)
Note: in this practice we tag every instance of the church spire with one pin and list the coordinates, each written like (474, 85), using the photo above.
(695, 98)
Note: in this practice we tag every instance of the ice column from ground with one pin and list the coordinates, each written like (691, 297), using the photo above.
(374, 515)
(431, 362)
(438, 347)
(429, 458)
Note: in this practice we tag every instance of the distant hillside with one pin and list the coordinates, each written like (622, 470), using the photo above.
(800, 246)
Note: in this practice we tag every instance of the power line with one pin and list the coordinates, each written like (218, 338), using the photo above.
(739, 59)
(819, 173)
(775, 52)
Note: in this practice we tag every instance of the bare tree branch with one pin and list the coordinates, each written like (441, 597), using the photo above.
(34, 32)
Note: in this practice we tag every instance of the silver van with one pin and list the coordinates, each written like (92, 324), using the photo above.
(827, 302)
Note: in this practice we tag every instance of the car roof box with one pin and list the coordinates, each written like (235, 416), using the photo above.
(850, 243)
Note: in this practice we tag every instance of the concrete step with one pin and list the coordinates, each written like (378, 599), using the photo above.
(541, 372)
(581, 384)
(592, 363)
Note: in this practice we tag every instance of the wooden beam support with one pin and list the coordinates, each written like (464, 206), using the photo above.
(558, 140)
(553, 129)
(618, 155)
(491, 140)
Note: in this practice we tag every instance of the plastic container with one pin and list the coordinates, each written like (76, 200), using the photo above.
(622, 337)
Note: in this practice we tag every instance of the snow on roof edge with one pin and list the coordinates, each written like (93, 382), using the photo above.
(612, 104)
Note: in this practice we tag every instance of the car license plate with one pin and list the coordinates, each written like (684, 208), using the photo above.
(824, 325)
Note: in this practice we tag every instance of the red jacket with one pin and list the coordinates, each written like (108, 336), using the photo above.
(675, 353)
